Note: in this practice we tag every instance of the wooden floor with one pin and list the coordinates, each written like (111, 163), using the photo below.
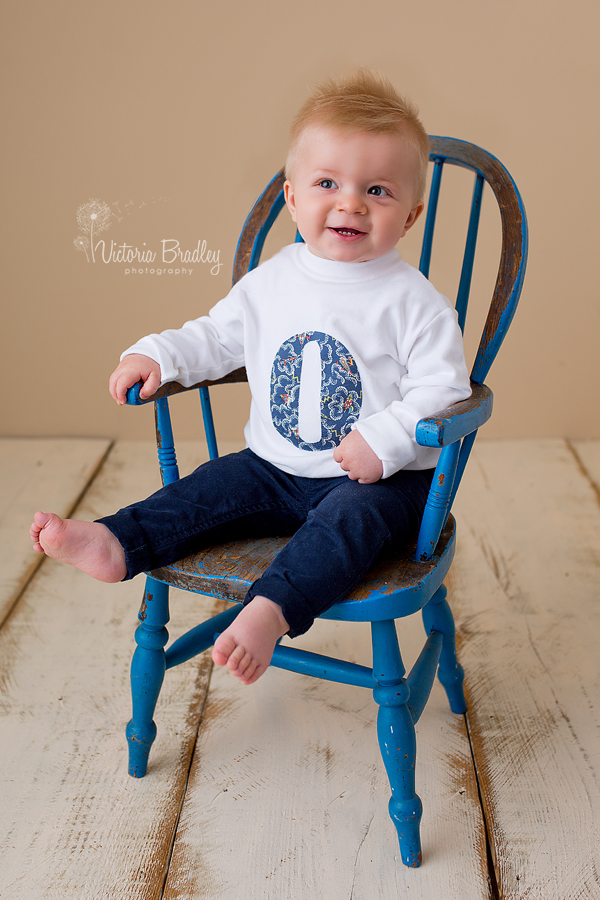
(278, 791)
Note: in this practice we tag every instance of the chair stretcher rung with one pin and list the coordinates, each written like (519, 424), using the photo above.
(307, 663)
(422, 674)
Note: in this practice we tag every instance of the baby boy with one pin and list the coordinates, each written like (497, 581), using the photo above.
(346, 347)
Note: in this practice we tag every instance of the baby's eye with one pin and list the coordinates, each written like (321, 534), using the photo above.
(377, 191)
(327, 183)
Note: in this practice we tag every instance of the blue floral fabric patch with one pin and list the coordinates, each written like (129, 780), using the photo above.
(341, 390)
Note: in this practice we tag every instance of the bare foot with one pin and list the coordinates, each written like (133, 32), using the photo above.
(89, 546)
(246, 647)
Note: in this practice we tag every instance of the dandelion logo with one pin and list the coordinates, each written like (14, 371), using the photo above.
(82, 243)
(92, 217)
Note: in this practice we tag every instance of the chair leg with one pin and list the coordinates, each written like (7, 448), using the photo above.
(147, 673)
(437, 616)
(396, 734)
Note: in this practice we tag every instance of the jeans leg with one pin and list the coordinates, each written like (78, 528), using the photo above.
(239, 495)
(348, 527)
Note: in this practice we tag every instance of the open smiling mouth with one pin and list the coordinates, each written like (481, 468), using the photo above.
(347, 232)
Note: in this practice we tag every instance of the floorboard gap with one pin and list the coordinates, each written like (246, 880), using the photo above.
(584, 471)
(493, 881)
(184, 791)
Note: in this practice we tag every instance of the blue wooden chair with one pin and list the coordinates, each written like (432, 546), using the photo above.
(397, 586)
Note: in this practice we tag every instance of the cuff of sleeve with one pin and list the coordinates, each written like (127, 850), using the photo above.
(391, 444)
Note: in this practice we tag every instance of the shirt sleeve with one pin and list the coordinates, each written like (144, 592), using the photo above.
(436, 377)
(206, 348)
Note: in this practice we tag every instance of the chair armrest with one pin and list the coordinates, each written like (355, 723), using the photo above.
(457, 421)
(439, 430)
(173, 387)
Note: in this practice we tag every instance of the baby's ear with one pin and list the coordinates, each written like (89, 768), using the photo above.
(413, 216)
(288, 193)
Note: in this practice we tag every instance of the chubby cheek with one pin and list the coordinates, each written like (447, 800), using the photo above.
(313, 225)
(292, 210)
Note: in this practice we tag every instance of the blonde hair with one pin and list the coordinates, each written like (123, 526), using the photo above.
(365, 102)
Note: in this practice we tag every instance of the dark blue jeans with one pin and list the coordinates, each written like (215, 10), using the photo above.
(339, 527)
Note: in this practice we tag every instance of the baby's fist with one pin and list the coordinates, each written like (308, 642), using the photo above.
(131, 369)
(357, 458)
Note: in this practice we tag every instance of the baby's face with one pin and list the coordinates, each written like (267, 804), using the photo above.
(352, 194)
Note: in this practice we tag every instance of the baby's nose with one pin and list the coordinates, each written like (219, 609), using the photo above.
(351, 202)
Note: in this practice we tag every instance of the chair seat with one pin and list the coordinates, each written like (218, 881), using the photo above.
(396, 586)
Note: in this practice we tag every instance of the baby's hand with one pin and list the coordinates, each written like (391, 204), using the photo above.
(131, 369)
(357, 459)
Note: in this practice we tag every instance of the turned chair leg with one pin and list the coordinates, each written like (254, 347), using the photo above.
(396, 734)
(437, 616)
(147, 673)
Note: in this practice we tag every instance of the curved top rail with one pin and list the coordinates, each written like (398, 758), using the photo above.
(257, 225)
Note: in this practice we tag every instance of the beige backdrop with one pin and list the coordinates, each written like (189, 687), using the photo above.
(176, 114)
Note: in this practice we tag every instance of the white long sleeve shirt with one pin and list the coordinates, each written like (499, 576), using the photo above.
(328, 346)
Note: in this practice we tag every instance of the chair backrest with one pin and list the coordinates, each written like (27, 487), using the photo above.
(511, 271)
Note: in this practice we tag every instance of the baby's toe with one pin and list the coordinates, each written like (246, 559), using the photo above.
(222, 650)
(41, 519)
(253, 673)
(239, 661)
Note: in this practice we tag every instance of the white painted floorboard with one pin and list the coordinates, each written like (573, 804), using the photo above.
(287, 794)
(526, 595)
(37, 474)
(73, 824)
